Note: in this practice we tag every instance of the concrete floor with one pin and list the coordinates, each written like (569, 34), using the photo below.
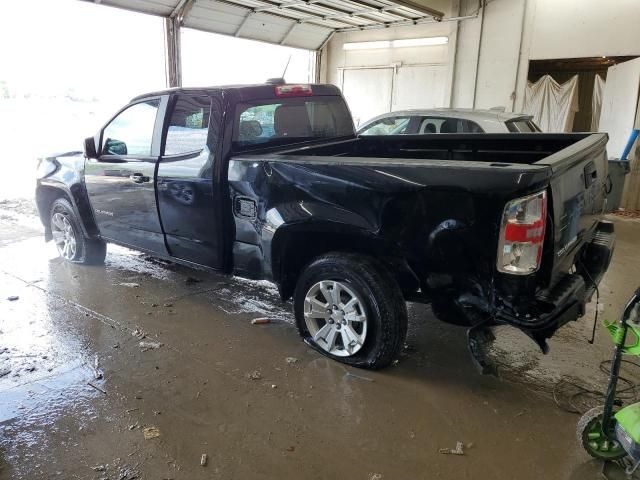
(223, 387)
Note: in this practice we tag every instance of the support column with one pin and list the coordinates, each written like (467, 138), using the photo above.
(173, 60)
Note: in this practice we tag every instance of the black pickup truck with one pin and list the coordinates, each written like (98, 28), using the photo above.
(271, 182)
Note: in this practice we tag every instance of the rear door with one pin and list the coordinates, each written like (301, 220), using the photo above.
(120, 182)
(189, 205)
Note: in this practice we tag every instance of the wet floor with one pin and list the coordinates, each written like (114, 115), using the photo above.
(139, 368)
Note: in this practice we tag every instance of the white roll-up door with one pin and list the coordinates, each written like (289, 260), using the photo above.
(367, 91)
(419, 86)
(370, 91)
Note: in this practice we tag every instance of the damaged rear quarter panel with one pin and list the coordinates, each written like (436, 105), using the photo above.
(437, 217)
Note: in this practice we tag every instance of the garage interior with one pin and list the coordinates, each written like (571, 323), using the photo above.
(145, 369)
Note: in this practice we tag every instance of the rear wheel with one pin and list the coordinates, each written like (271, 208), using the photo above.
(593, 439)
(68, 238)
(349, 308)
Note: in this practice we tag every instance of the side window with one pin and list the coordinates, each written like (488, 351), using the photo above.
(388, 126)
(188, 125)
(430, 125)
(470, 127)
(131, 132)
(522, 126)
(448, 125)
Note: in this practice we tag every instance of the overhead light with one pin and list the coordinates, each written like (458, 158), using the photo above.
(407, 42)
(420, 42)
(366, 45)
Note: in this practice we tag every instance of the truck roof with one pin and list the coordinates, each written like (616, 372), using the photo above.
(244, 92)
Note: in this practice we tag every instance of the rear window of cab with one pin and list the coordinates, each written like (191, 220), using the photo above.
(290, 120)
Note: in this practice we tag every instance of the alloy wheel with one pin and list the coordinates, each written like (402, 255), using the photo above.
(63, 236)
(335, 318)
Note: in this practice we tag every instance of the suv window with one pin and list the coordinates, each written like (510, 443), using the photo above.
(522, 126)
(388, 126)
(188, 126)
(291, 119)
(131, 132)
(448, 125)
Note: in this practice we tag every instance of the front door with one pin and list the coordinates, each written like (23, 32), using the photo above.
(120, 182)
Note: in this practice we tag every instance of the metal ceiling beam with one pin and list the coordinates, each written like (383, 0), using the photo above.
(243, 23)
(286, 35)
(418, 7)
(341, 16)
(404, 23)
(386, 9)
(363, 10)
(182, 10)
(290, 15)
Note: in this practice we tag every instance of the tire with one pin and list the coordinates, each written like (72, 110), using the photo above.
(377, 316)
(590, 422)
(69, 239)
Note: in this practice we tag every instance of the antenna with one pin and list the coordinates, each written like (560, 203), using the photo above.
(286, 66)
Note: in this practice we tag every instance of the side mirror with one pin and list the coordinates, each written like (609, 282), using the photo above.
(90, 148)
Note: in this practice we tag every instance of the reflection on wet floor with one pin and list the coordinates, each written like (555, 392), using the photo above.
(185, 373)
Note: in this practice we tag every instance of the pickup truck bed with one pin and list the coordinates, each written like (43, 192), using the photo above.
(271, 182)
(457, 186)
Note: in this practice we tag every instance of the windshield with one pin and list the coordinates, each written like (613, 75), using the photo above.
(291, 120)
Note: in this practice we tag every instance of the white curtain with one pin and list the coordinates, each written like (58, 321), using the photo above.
(552, 105)
(596, 102)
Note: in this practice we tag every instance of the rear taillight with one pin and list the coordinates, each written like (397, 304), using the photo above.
(522, 234)
(293, 90)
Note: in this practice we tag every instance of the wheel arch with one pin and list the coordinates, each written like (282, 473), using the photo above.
(47, 193)
(295, 246)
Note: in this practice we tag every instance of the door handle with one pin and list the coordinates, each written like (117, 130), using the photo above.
(138, 178)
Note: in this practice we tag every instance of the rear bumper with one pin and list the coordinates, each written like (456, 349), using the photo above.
(566, 301)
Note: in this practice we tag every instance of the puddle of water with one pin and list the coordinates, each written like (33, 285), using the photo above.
(51, 392)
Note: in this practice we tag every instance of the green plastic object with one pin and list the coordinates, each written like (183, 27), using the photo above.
(617, 334)
(629, 419)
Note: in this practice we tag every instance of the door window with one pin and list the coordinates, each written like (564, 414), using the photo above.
(188, 125)
(131, 132)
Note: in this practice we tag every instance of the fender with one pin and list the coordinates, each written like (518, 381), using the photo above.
(295, 245)
(67, 180)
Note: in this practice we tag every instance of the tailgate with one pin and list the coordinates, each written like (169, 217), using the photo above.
(578, 197)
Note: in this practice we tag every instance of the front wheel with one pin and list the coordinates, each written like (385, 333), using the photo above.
(349, 308)
(593, 439)
(67, 235)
